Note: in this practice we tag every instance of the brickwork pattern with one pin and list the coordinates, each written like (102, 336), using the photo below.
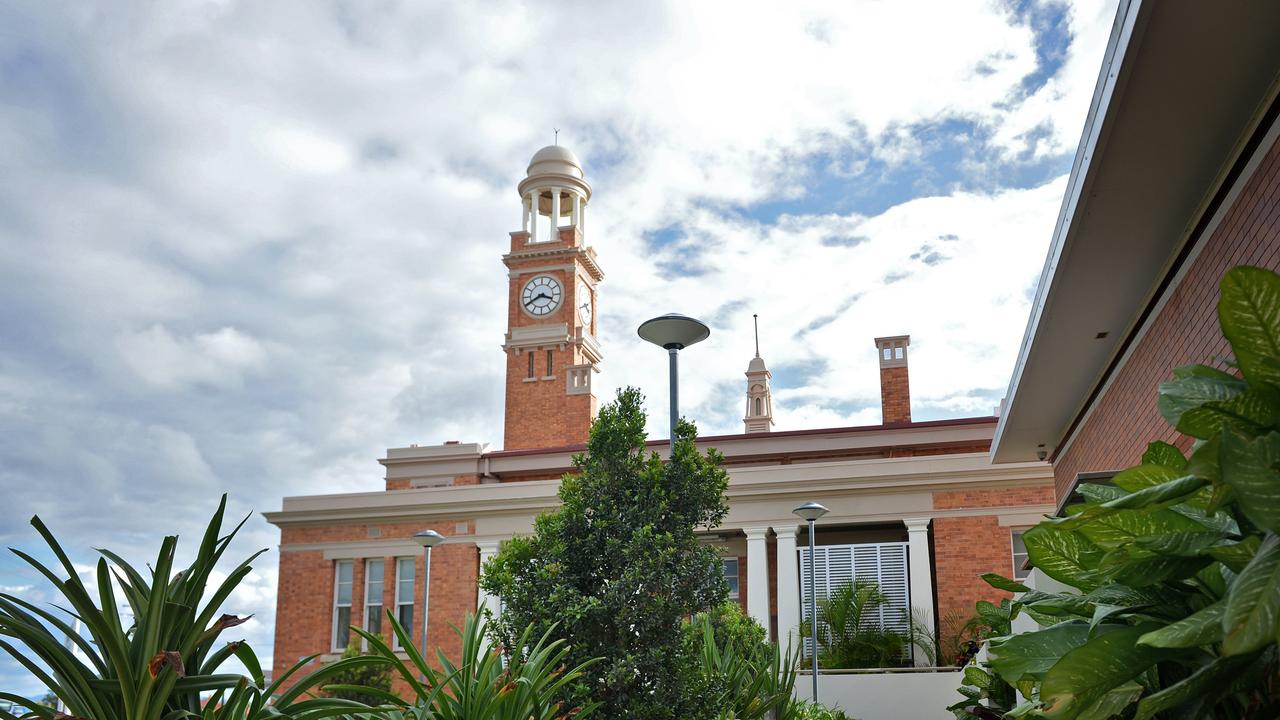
(1124, 419)
(895, 395)
(966, 547)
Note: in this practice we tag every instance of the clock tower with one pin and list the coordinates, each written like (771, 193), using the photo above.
(550, 343)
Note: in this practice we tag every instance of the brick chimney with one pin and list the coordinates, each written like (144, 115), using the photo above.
(895, 389)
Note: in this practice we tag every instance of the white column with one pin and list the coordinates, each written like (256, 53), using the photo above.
(788, 587)
(577, 208)
(582, 216)
(488, 548)
(920, 574)
(533, 216)
(758, 575)
(555, 214)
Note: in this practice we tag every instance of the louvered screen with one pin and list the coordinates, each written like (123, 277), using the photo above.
(836, 565)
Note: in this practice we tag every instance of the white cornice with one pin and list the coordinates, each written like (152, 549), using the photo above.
(746, 484)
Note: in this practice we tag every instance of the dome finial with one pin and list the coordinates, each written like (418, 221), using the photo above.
(556, 139)
(755, 320)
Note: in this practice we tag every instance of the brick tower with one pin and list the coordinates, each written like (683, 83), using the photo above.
(551, 344)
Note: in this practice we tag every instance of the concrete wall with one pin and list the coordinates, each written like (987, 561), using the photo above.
(886, 696)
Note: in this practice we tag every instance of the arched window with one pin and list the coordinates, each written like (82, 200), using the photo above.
(759, 406)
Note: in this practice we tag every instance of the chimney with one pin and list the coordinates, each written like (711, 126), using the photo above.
(895, 390)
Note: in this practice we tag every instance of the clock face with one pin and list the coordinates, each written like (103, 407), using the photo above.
(584, 307)
(541, 295)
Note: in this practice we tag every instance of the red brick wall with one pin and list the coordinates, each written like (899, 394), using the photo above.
(966, 547)
(1124, 419)
(895, 395)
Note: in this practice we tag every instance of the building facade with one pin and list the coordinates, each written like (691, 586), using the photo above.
(917, 506)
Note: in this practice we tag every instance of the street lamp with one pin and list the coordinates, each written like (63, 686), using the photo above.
(427, 539)
(674, 332)
(810, 512)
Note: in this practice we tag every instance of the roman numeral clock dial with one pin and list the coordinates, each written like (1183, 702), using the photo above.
(541, 295)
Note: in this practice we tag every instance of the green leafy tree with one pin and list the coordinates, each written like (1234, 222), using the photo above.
(1175, 563)
(618, 566)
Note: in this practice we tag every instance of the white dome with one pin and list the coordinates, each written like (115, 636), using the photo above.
(555, 160)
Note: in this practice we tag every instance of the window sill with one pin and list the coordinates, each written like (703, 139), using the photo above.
(533, 379)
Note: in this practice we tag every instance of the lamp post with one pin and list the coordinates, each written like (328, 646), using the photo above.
(427, 539)
(810, 512)
(674, 332)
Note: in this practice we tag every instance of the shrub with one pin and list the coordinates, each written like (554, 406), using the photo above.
(619, 567)
(852, 636)
(159, 664)
(479, 687)
(355, 682)
(745, 676)
(1176, 562)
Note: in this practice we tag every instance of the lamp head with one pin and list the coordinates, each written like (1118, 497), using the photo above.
(673, 330)
(810, 511)
(428, 538)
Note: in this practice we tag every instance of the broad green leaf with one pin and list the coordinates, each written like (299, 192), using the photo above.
(1251, 412)
(1140, 477)
(1200, 628)
(1179, 544)
(1001, 582)
(1183, 394)
(1203, 681)
(1165, 454)
(1113, 702)
(1204, 459)
(1123, 526)
(977, 677)
(1236, 555)
(1166, 492)
(1251, 468)
(1249, 312)
(1064, 555)
(1142, 570)
(1086, 673)
(1057, 603)
(1100, 493)
(1253, 606)
(1034, 653)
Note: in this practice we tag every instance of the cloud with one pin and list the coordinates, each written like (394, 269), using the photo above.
(245, 247)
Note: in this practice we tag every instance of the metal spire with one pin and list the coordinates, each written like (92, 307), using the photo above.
(557, 136)
(755, 320)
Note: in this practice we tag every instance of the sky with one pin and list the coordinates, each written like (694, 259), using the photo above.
(245, 246)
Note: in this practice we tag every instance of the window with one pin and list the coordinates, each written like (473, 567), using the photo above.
(888, 354)
(549, 373)
(341, 604)
(731, 576)
(530, 364)
(897, 353)
(837, 565)
(1019, 557)
(373, 596)
(759, 406)
(404, 594)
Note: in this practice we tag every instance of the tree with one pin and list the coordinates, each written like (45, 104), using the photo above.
(619, 567)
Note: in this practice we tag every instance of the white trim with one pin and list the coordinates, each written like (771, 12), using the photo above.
(400, 601)
(364, 621)
(337, 581)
